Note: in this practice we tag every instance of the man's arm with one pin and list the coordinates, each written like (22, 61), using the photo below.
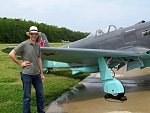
(12, 55)
(41, 69)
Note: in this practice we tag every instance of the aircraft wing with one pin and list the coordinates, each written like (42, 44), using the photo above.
(84, 56)
(80, 55)
(89, 57)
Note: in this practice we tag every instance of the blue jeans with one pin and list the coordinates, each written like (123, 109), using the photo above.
(28, 81)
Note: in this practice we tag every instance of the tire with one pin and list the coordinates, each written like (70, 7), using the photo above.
(116, 96)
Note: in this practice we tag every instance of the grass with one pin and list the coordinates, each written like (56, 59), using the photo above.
(11, 86)
(58, 44)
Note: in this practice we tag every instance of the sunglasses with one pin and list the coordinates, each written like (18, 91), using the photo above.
(36, 34)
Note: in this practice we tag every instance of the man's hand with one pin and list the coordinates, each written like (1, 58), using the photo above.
(42, 78)
(25, 63)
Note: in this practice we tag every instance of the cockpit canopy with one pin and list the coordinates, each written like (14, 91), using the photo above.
(100, 32)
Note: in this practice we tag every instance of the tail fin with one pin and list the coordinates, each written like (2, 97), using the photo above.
(42, 40)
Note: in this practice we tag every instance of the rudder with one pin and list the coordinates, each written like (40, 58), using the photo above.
(43, 41)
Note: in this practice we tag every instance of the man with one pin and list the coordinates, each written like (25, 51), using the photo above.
(31, 73)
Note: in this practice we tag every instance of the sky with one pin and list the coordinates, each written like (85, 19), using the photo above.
(78, 15)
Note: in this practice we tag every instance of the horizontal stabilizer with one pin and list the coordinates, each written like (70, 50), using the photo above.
(8, 49)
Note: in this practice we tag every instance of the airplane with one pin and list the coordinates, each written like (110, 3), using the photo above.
(100, 52)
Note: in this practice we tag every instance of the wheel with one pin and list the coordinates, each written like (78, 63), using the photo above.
(123, 98)
(119, 96)
(47, 71)
(116, 96)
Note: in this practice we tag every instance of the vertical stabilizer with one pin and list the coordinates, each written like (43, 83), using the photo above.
(42, 40)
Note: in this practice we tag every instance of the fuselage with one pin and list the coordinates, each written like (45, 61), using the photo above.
(134, 38)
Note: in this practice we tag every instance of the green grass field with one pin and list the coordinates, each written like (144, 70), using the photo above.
(11, 87)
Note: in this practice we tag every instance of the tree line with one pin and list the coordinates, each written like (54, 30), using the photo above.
(14, 31)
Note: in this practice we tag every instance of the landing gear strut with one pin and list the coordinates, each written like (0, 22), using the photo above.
(112, 86)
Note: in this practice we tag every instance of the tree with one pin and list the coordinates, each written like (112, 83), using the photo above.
(14, 31)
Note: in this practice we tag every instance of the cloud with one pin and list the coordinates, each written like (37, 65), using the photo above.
(78, 15)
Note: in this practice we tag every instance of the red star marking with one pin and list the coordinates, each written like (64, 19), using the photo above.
(42, 42)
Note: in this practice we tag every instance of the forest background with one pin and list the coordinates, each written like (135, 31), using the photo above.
(14, 31)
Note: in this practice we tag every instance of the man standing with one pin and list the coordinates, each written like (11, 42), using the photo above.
(31, 73)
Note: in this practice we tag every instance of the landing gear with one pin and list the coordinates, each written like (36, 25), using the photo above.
(112, 86)
(48, 70)
(114, 89)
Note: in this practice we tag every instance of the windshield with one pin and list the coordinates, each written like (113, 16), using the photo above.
(90, 35)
